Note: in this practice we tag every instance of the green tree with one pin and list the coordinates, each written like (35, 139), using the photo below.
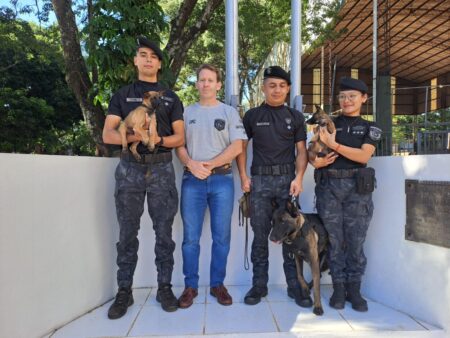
(37, 108)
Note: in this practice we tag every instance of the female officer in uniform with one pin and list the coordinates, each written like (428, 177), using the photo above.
(344, 188)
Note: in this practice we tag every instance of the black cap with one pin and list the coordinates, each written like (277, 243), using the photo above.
(278, 72)
(348, 83)
(142, 41)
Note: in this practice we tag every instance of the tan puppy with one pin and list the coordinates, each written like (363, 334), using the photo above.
(316, 147)
(136, 121)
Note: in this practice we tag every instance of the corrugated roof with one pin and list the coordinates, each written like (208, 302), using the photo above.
(413, 38)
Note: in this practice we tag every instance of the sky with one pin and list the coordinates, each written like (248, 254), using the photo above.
(29, 17)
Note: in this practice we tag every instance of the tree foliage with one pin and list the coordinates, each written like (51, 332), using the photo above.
(37, 108)
(110, 37)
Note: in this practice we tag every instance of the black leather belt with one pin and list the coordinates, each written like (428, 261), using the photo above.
(148, 158)
(276, 170)
(341, 173)
(222, 170)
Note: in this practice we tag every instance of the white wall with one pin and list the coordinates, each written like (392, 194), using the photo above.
(58, 231)
(57, 234)
(409, 276)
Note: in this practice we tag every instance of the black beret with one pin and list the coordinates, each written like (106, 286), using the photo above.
(348, 83)
(278, 72)
(144, 42)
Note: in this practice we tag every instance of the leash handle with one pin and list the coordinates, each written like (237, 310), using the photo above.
(246, 261)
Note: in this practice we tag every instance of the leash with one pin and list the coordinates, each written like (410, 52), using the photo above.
(243, 220)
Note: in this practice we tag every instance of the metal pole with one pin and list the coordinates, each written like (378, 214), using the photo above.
(322, 75)
(231, 48)
(374, 59)
(296, 54)
(425, 109)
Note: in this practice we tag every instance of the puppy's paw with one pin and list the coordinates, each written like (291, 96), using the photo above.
(318, 310)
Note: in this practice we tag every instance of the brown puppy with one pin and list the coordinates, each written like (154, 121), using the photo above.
(315, 146)
(136, 121)
(307, 239)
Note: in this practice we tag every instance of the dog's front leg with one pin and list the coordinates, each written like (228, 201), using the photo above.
(152, 131)
(315, 269)
(301, 279)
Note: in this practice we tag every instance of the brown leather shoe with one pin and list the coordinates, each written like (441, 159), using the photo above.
(187, 298)
(222, 295)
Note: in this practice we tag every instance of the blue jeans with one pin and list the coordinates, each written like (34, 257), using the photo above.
(217, 192)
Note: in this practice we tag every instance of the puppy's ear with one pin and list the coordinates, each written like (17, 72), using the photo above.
(147, 95)
(292, 209)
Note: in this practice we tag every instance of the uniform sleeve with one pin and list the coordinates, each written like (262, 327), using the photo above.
(235, 126)
(373, 135)
(247, 125)
(114, 107)
(300, 133)
(176, 109)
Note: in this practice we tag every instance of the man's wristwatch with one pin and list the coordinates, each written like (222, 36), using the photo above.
(161, 142)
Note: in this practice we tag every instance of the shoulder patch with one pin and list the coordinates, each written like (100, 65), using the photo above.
(375, 133)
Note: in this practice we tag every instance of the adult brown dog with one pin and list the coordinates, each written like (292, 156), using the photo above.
(307, 239)
(137, 120)
(316, 147)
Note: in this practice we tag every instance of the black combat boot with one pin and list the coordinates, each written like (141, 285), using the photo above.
(255, 294)
(337, 300)
(165, 296)
(302, 298)
(354, 297)
(124, 299)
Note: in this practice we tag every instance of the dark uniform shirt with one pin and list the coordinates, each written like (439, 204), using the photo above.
(274, 130)
(353, 132)
(129, 97)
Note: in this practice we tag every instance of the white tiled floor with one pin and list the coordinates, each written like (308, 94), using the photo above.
(276, 316)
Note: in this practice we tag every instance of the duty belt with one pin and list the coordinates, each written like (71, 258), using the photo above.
(337, 173)
(276, 170)
(222, 170)
(148, 158)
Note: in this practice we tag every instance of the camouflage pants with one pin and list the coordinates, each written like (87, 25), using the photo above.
(265, 188)
(132, 185)
(346, 215)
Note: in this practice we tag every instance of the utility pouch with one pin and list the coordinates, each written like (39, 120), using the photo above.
(365, 181)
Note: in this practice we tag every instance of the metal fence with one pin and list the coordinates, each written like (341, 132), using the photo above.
(412, 139)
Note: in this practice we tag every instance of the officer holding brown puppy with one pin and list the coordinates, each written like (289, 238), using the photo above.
(344, 186)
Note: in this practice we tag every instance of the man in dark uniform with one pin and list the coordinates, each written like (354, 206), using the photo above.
(152, 176)
(277, 132)
(344, 192)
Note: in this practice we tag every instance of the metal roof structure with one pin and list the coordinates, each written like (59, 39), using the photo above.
(413, 38)
(413, 46)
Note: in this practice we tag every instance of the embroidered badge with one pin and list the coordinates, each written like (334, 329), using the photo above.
(193, 121)
(375, 133)
(219, 124)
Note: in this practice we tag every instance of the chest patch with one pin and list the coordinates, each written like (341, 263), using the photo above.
(193, 121)
(358, 130)
(262, 124)
(219, 124)
(134, 99)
